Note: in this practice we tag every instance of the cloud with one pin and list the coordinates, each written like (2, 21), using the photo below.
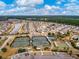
(28, 2)
(73, 1)
(18, 11)
(27, 7)
(60, 1)
(47, 10)
(48, 7)
(2, 5)
(71, 9)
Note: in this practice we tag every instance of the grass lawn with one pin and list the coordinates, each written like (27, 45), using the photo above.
(62, 45)
(1, 42)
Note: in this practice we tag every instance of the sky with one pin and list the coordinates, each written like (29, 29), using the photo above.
(39, 7)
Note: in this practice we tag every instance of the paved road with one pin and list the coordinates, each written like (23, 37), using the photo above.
(68, 44)
(5, 43)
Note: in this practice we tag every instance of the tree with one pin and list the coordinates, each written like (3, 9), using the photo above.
(68, 33)
(70, 52)
(4, 49)
(58, 34)
(21, 50)
(53, 34)
(49, 34)
(0, 57)
(35, 47)
(75, 38)
(7, 43)
(46, 48)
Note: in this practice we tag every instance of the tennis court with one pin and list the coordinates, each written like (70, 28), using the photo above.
(21, 42)
(40, 41)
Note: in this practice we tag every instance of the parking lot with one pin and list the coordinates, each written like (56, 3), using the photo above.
(58, 55)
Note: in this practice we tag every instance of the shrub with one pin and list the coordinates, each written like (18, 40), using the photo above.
(0, 57)
(4, 49)
(21, 50)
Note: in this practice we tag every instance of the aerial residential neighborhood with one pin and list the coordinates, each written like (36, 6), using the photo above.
(39, 29)
(27, 39)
